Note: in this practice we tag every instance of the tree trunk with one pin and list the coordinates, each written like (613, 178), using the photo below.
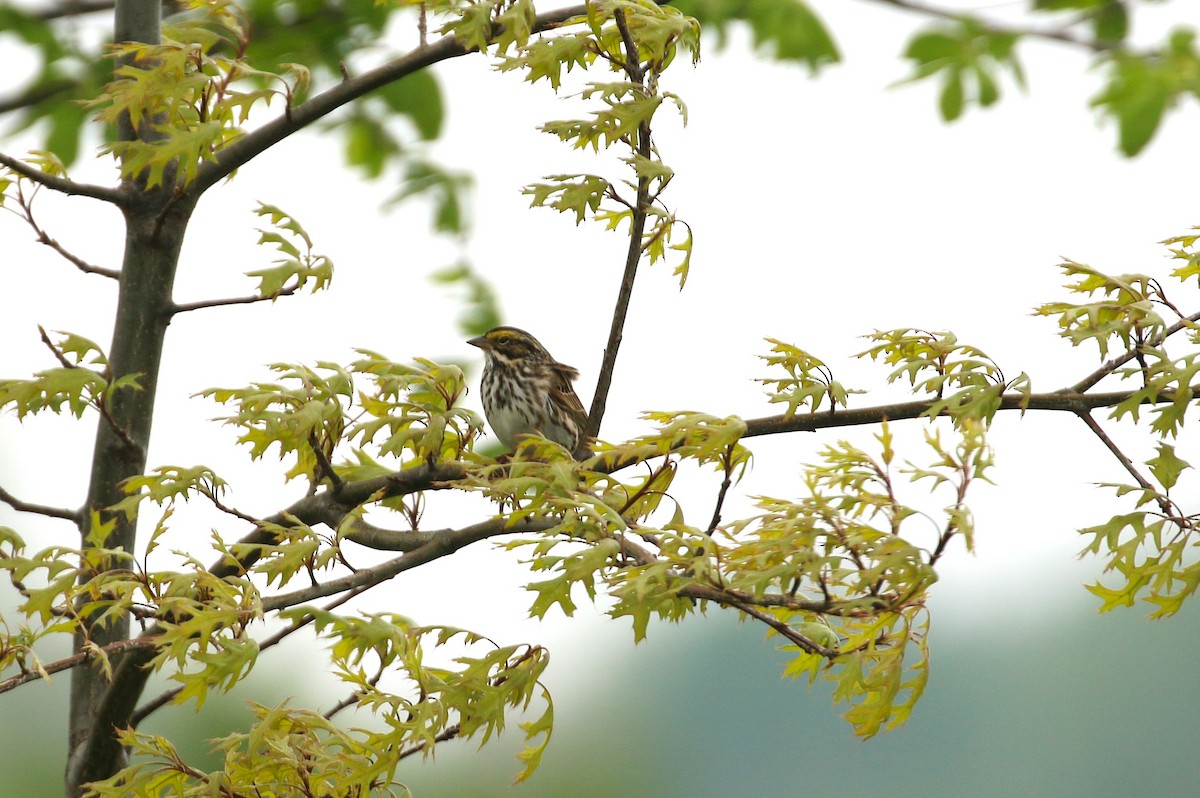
(155, 223)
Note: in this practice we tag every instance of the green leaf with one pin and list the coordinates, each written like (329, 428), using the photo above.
(418, 97)
(1167, 467)
(950, 103)
(441, 186)
(1141, 87)
(1111, 22)
(1137, 97)
(968, 54)
(578, 194)
(482, 307)
(370, 145)
(787, 30)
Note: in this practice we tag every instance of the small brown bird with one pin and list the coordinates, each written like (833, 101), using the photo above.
(525, 390)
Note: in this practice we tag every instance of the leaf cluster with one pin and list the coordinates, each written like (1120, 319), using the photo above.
(299, 263)
(81, 381)
(968, 56)
(637, 40)
(809, 382)
(1127, 317)
(190, 96)
(787, 30)
(965, 383)
(1151, 551)
(1142, 87)
(833, 573)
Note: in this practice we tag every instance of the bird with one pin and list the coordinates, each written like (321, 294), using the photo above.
(525, 391)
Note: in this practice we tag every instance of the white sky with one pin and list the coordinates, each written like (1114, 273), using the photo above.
(822, 208)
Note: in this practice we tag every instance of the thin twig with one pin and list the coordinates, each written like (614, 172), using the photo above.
(1062, 35)
(66, 663)
(58, 355)
(1124, 460)
(324, 466)
(184, 307)
(951, 527)
(79, 263)
(1099, 432)
(74, 516)
(43, 238)
(352, 699)
(783, 629)
(637, 74)
(727, 462)
(448, 733)
(233, 511)
(64, 185)
(1188, 322)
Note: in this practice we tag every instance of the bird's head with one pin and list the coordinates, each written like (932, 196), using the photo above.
(510, 345)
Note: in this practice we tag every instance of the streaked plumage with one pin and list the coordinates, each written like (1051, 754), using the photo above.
(525, 390)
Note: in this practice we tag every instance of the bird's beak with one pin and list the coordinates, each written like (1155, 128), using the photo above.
(481, 342)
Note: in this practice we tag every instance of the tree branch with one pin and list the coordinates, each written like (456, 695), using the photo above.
(1066, 401)
(726, 483)
(1061, 35)
(78, 262)
(73, 661)
(351, 699)
(64, 185)
(297, 118)
(1124, 460)
(26, 213)
(130, 676)
(1188, 322)
(448, 542)
(35, 94)
(785, 630)
(448, 733)
(633, 255)
(184, 307)
(382, 539)
(73, 8)
(330, 507)
(74, 516)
